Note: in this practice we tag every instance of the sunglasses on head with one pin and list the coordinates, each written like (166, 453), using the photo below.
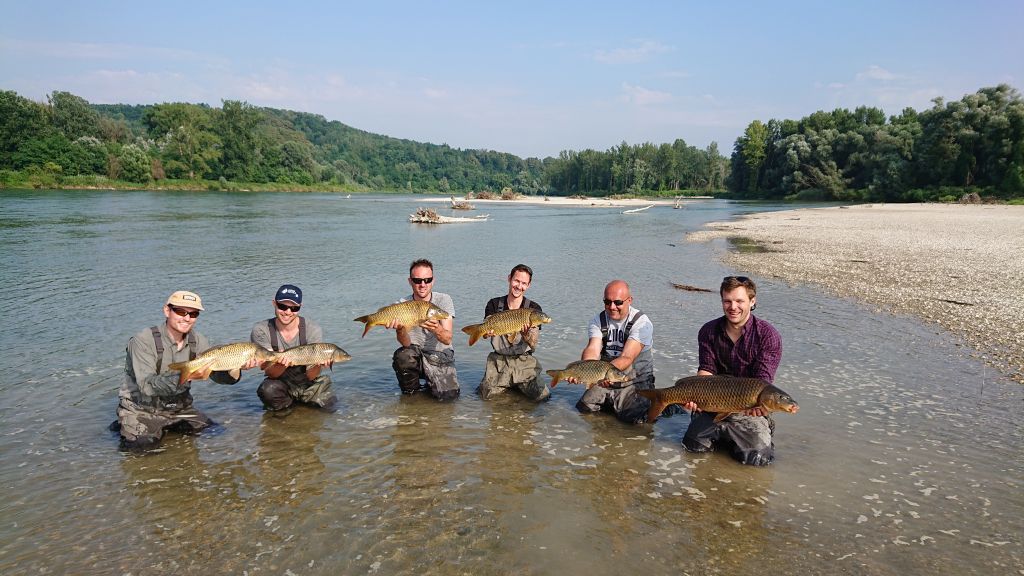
(608, 302)
(740, 279)
(182, 312)
(422, 280)
(283, 307)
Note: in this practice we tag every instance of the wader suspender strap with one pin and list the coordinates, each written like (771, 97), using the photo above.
(275, 338)
(504, 300)
(159, 341)
(604, 328)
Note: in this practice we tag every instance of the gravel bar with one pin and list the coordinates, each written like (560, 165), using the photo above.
(959, 266)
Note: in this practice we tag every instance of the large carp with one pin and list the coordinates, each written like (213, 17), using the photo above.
(313, 354)
(589, 372)
(507, 322)
(722, 394)
(410, 313)
(229, 357)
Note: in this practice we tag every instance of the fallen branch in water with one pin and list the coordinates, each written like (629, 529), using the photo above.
(689, 288)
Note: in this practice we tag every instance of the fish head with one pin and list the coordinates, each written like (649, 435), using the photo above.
(538, 318)
(776, 400)
(436, 313)
(616, 375)
(262, 354)
(339, 355)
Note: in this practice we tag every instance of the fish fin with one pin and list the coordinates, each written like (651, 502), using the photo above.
(657, 407)
(183, 377)
(556, 377)
(235, 373)
(365, 330)
(474, 331)
(722, 416)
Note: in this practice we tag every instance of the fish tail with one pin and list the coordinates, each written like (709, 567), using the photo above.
(556, 377)
(364, 320)
(183, 368)
(657, 405)
(474, 331)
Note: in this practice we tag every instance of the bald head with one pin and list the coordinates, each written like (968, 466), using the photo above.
(617, 299)
(617, 287)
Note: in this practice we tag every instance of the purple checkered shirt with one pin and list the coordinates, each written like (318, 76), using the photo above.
(755, 355)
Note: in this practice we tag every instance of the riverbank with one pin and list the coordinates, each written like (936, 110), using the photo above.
(959, 266)
(594, 202)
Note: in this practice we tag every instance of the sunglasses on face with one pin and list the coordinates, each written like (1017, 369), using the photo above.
(422, 280)
(740, 279)
(608, 302)
(182, 312)
(283, 307)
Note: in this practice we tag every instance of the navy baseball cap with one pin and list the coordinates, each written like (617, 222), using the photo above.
(289, 292)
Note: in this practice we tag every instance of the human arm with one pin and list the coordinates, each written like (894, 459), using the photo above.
(441, 329)
(142, 360)
(769, 353)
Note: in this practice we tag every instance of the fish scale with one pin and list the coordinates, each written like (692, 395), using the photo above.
(313, 354)
(226, 357)
(722, 394)
(507, 322)
(588, 372)
(409, 313)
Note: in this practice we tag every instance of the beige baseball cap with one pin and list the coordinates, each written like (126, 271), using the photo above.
(186, 299)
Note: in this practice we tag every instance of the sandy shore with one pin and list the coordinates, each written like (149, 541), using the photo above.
(563, 201)
(960, 266)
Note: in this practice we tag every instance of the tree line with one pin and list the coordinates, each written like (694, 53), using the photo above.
(975, 144)
(67, 140)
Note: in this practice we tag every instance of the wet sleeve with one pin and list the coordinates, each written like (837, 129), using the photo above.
(143, 360)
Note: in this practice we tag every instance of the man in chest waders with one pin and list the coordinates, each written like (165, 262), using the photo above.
(623, 336)
(512, 364)
(151, 399)
(284, 384)
(426, 350)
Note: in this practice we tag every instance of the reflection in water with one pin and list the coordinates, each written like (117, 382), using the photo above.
(904, 457)
(234, 514)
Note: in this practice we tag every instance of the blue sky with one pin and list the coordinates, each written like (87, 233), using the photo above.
(530, 78)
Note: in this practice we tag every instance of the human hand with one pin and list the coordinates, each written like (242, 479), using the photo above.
(691, 407)
(395, 325)
(431, 326)
(756, 411)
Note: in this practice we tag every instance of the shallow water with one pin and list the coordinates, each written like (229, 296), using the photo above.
(905, 456)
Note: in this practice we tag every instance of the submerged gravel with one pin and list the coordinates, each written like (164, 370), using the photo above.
(959, 266)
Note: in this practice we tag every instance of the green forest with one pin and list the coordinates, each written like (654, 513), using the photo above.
(975, 144)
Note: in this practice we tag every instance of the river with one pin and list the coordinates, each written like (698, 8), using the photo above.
(905, 457)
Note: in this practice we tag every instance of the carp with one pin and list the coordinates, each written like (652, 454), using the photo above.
(229, 357)
(410, 313)
(722, 394)
(505, 323)
(589, 372)
(313, 354)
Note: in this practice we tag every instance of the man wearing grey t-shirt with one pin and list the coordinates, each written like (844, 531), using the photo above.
(283, 384)
(426, 350)
(623, 336)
